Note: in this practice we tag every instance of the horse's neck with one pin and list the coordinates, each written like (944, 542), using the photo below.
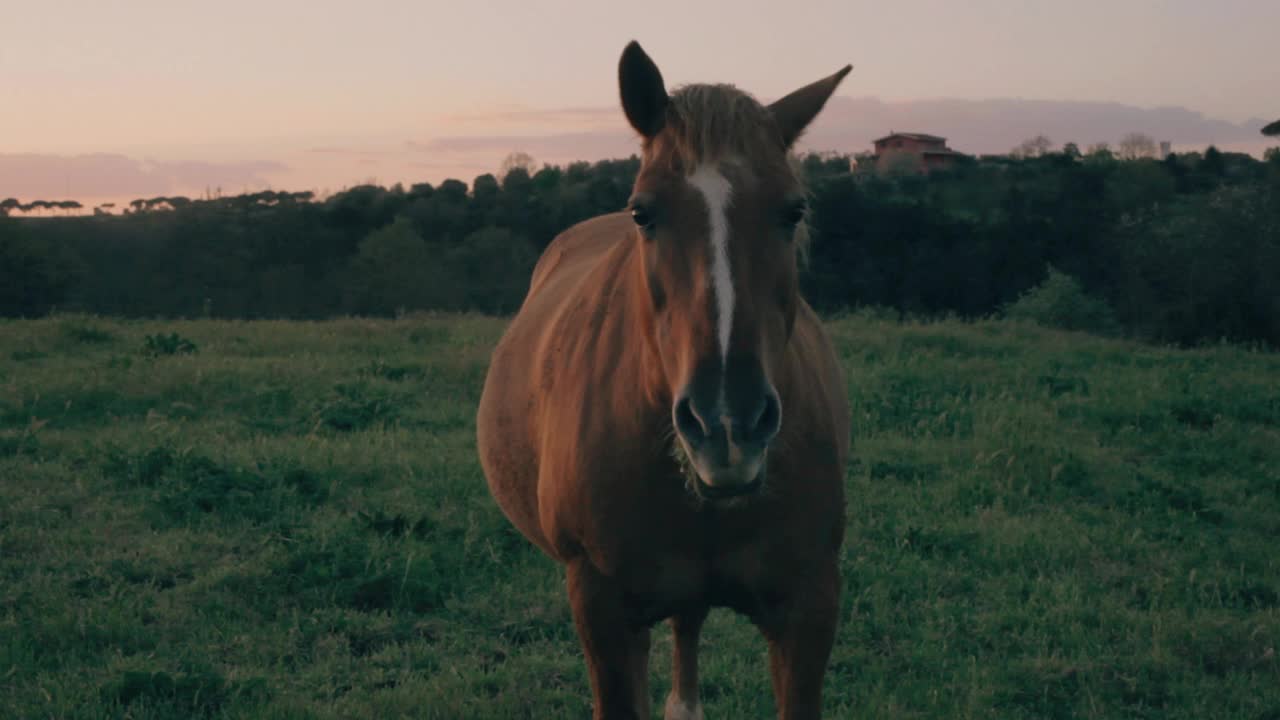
(629, 302)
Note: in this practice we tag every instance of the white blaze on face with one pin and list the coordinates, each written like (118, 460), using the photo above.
(717, 193)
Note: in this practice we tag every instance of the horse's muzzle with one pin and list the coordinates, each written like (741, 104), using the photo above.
(727, 449)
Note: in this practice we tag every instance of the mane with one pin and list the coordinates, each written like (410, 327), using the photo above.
(709, 123)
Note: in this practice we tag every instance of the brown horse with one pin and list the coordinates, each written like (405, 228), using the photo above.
(666, 416)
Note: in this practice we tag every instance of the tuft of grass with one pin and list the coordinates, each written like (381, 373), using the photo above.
(357, 406)
(191, 694)
(82, 331)
(170, 344)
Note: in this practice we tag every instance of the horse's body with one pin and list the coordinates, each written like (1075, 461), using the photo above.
(576, 437)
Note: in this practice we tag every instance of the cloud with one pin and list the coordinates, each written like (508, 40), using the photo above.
(548, 118)
(349, 152)
(849, 125)
(550, 148)
(104, 175)
(479, 143)
(997, 125)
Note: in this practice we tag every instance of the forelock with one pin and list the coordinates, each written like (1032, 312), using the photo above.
(709, 124)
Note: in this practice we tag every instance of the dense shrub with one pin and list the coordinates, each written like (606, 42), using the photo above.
(1060, 302)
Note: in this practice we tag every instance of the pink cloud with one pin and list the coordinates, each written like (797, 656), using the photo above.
(106, 175)
(553, 148)
(557, 136)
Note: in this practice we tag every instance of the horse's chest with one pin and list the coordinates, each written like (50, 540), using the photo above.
(659, 587)
(666, 585)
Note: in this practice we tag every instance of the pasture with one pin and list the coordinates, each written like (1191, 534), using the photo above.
(287, 520)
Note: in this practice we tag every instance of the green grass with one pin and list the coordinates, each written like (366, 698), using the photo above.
(288, 520)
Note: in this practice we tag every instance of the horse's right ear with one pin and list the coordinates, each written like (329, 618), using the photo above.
(644, 97)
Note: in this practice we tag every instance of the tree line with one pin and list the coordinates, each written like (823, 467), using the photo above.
(1182, 249)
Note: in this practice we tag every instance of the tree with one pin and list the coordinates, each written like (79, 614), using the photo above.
(522, 160)
(364, 207)
(1137, 145)
(1034, 147)
(1071, 150)
(485, 192)
(7, 205)
(1213, 163)
(453, 190)
(34, 275)
(441, 214)
(395, 269)
(494, 266)
(485, 188)
(1137, 186)
(420, 191)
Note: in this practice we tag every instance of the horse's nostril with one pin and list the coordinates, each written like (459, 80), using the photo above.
(688, 422)
(769, 421)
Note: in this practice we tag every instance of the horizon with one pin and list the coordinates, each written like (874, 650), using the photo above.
(351, 97)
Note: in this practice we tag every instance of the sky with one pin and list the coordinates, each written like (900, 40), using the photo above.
(110, 99)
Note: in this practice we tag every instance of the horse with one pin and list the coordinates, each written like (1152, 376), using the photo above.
(666, 417)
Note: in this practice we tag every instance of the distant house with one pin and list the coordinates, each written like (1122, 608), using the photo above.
(913, 152)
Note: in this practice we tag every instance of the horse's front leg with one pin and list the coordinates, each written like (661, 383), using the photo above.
(683, 703)
(617, 656)
(801, 629)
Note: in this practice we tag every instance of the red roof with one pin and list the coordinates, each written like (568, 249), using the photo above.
(922, 137)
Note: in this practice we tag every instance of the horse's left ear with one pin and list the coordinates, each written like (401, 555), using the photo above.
(794, 112)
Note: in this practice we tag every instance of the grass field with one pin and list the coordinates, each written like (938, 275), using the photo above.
(287, 520)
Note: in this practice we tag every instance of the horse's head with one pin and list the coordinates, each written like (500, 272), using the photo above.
(719, 211)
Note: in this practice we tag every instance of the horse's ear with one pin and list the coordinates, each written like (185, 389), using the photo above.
(644, 97)
(1272, 129)
(794, 112)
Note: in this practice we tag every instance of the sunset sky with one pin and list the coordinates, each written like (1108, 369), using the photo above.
(146, 97)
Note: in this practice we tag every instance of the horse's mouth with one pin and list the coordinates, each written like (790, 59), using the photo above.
(708, 492)
(729, 491)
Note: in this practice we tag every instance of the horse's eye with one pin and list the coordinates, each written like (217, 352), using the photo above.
(795, 213)
(642, 216)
